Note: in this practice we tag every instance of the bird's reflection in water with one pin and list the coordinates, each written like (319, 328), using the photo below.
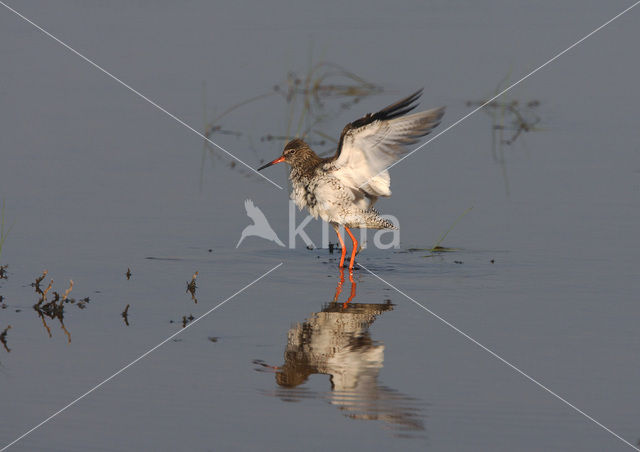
(337, 342)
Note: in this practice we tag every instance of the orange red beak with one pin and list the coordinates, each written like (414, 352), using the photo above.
(278, 160)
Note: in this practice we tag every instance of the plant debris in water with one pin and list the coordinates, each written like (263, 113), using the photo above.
(54, 308)
(128, 274)
(435, 249)
(3, 338)
(191, 287)
(3, 271)
(125, 315)
(39, 279)
(81, 303)
(186, 320)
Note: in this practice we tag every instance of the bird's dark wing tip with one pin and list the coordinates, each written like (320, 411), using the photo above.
(401, 107)
(394, 110)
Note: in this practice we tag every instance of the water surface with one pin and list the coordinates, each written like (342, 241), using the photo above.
(97, 181)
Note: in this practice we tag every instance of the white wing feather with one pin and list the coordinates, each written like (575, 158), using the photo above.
(368, 151)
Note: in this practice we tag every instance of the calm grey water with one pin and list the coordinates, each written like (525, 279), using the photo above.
(96, 181)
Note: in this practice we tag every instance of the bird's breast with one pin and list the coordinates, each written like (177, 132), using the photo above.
(326, 197)
(305, 194)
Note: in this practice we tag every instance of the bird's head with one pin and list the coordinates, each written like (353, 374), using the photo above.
(295, 152)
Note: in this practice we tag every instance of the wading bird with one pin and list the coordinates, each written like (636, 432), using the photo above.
(342, 189)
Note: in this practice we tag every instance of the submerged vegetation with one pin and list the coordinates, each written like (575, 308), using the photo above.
(54, 308)
(52, 304)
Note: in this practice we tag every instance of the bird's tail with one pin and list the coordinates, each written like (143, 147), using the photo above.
(371, 219)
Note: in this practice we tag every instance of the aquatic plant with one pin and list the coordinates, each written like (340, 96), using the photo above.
(191, 287)
(54, 308)
(436, 246)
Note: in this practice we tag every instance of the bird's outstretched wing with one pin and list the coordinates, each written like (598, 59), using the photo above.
(370, 144)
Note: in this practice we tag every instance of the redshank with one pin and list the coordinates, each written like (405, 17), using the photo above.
(343, 188)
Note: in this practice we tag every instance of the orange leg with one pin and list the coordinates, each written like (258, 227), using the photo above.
(343, 249)
(354, 250)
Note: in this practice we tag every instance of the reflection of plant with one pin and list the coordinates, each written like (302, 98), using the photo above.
(54, 309)
(326, 90)
(3, 233)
